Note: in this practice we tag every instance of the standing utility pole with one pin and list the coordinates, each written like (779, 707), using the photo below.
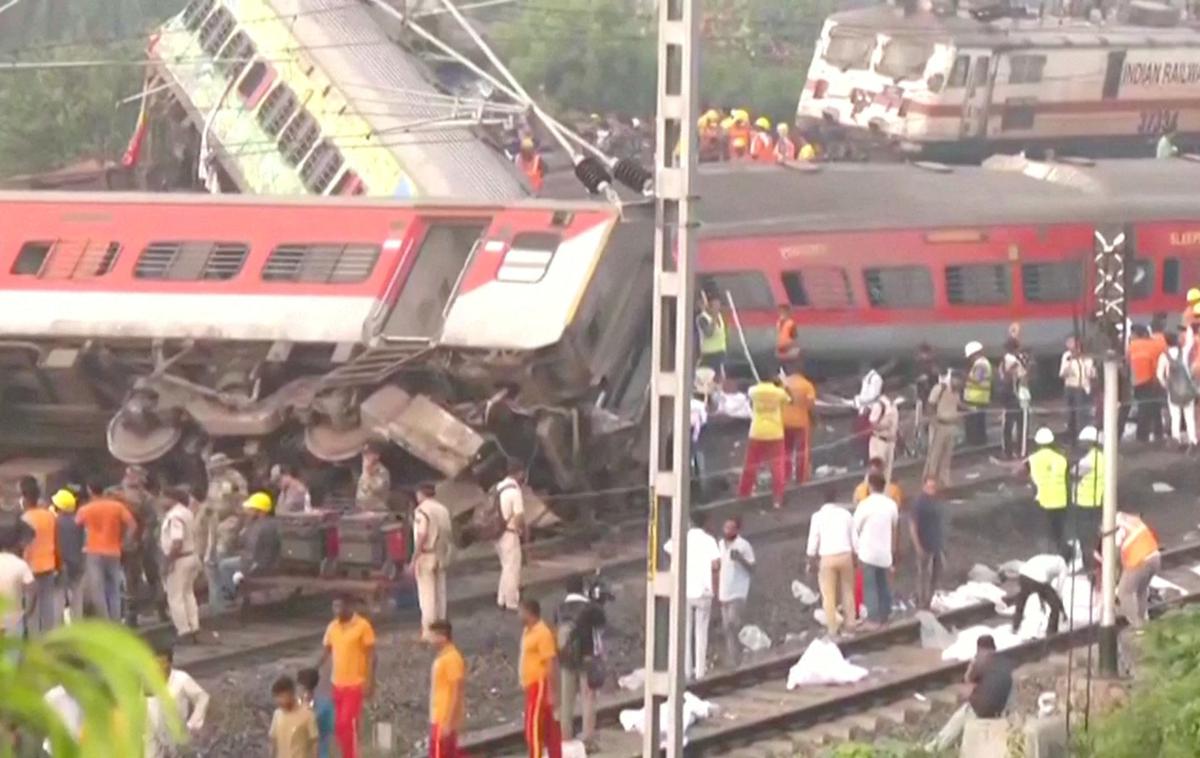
(671, 378)
(1111, 317)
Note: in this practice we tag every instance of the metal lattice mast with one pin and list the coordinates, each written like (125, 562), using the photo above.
(671, 379)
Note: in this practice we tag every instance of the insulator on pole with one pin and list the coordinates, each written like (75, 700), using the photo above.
(593, 174)
(634, 176)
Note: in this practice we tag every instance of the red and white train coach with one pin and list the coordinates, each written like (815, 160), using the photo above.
(465, 331)
(952, 86)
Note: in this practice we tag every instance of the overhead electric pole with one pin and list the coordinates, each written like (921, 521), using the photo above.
(1111, 317)
(671, 377)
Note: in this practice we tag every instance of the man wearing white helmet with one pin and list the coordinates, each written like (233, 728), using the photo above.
(1089, 489)
(977, 394)
(1050, 474)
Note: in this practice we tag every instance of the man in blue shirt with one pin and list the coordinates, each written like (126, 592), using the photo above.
(928, 538)
(322, 708)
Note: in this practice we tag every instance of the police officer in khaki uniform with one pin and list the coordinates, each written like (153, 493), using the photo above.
(375, 482)
(217, 522)
(181, 565)
(432, 540)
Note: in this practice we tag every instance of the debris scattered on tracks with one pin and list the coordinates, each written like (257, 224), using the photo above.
(804, 593)
(754, 639)
(823, 663)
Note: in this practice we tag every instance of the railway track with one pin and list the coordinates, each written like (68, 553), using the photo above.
(261, 638)
(759, 717)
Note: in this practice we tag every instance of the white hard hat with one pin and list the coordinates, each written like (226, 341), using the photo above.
(1088, 434)
(1044, 436)
(972, 348)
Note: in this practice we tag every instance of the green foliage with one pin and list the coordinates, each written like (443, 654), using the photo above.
(53, 116)
(882, 749)
(104, 667)
(1163, 715)
(32, 23)
(599, 55)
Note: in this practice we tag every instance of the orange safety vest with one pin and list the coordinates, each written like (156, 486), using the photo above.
(1139, 543)
(762, 148)
(785, 337)
(532, 168)
(736, 132)
(785, 149)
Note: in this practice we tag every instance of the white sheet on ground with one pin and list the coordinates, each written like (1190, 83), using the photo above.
(804, 593)
(823, 663)
(966, 641)
(694, 709)
(966, 595)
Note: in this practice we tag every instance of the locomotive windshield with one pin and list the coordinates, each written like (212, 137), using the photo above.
(849, 50)
(904, 59)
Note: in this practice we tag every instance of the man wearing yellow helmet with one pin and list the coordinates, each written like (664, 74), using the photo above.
(1189, 316)
(762, 144)
(738, 132)
(261, 545)
(710, 137)
(70, 551)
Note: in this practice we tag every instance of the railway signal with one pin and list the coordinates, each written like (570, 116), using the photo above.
(1112, 319)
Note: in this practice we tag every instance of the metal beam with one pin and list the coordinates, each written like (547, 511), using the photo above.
(672, 375)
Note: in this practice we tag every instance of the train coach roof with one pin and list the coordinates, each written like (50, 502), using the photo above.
(740, 199)
(1013, 32)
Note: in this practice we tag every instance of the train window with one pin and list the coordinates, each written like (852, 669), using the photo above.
(1052, 282)
(749, 289)
(904, 58)
(818, 287)
(31, 258)
(1026, 69)
(899, 287)
(216, 30)
(321, 167)
(299, 137)
(191, 261)
(277, 108)
(1170, 276)
(235, 55)
(848, 50)
(196, 11)
(334, 263)
(978, 284)
(1141, 280)
(1019, 113)
(958, 74)
(349, 184)
(528, 259)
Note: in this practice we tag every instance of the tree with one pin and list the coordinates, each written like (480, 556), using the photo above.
(53, 116)
(105, 668)
(31, 24)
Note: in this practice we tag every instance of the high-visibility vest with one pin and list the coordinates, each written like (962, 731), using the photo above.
(1089, 491)
(715, 342)
(762, 147)
(978, 391)
(1139, 543)
(785, 337)
(738, 132)
(1048, 469)
(532, 168)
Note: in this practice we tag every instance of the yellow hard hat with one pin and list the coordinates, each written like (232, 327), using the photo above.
(259, 501)
(709, 117)
(1193, 295)
(527, 143)
(727, 123)
(64, 500)
(740, 114)
(763, 122)
(1196, 309)
(807, 152)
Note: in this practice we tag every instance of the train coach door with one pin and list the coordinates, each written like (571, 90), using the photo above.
(424, 285)
(1112, 75)
(975, 100)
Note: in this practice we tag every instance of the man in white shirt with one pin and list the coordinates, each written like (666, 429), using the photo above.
(16, 584)
(703, 565)
(875, 521)
(832, 541)
(885, 425)
(188, 696)
(432, 540)
(508, 545)
(181, 565)
(737, 566)
(1077, 372)
(1038, 576)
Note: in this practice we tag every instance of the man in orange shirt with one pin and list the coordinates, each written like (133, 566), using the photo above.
(797, 423)
(539, 671)
(1144, 351)
(105, 522)
(41, 553)
(892, 490)
(446, 684)
(350, 644)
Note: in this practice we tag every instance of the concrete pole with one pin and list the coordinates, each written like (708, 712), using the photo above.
(671, 378)
(1108, 578)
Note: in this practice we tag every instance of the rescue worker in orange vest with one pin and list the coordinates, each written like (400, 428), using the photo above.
(762, 145)
(531, 165)
(1140, 562)
(738, 131)
(797, 422)
(785, 148)
(1190, 315)
(710, 137)
(738, 150)
(786, 348)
